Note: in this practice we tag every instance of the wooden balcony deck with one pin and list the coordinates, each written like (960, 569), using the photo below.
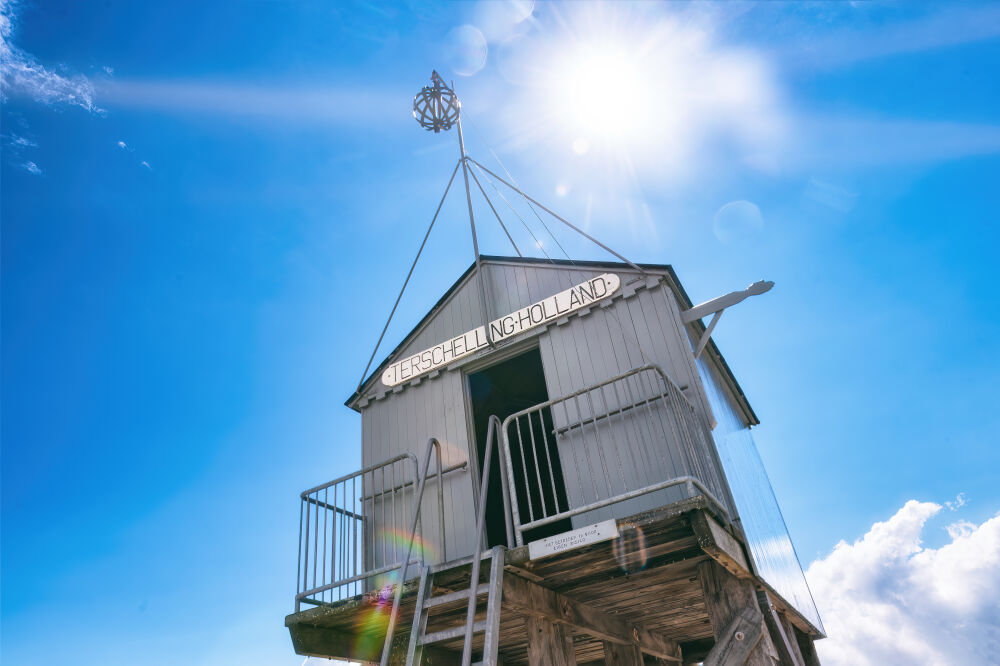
(648, 584)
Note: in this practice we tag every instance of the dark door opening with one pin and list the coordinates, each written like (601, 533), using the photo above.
(501, 390)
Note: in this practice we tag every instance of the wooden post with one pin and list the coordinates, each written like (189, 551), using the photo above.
(808, 649)
(548, 644)
(791, 632)
(788, 649)
(616, 654)
(731, 601)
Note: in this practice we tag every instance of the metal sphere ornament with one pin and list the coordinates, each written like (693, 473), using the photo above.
(436, 107)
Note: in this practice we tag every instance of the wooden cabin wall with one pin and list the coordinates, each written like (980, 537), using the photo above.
(585, 348)
(639, 327)
(403, 423)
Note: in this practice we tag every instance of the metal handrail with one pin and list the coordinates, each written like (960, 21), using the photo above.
(363, 470)
(691, 482)
(393, 616)
(346, 554)
(470, 617)
(686, 434)
(624, 375)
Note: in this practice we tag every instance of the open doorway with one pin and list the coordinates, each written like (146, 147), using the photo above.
(501, 390)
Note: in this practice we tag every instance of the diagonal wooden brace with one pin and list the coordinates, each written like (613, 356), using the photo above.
(737, 641)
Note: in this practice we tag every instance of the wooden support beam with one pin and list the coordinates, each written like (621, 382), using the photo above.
(618, 654)
(719, 544)
(536, 601)
(785, 645)
(727, 599)
(808, 649)
(312, 641)
(736, 644)
(548, 644)
(790, 632)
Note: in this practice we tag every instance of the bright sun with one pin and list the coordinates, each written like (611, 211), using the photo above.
(604, 94)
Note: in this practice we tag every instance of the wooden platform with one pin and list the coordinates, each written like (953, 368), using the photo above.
(649, 584)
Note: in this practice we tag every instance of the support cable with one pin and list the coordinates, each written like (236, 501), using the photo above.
(559, 217)
(538, 243)
(495, 213)
(408, 275)
(513, 180)
(528, 200)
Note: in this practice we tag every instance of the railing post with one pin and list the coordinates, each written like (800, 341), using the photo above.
(393, 616)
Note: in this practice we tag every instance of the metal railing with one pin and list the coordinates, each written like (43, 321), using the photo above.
(354, 529)
(611, 443)
(404, 564)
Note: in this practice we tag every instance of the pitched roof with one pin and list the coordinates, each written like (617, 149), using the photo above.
(666, 269)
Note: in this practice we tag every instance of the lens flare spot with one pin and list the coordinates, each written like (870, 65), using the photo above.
(581, 146)
(630, 550)
(465, 49)
(737, 221)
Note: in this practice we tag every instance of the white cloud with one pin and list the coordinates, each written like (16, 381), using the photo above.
(885, 599)
(958, 502)
(31, 167)
(20, 72)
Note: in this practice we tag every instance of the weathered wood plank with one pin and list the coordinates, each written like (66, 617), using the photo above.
(786, 653)
(719, 544)
(735, 645)
(726, 599)
(323, 642)
(808, 649)
(790, 632)
(532, 599)
(616, 654)
(548, 644)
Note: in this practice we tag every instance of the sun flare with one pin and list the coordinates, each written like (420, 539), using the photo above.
(605, 94)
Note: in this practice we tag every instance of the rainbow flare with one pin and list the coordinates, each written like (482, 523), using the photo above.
(375, 618)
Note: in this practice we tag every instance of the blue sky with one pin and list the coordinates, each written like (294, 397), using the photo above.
(207, 209)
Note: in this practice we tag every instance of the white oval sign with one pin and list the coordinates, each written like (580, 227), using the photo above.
(526, 318)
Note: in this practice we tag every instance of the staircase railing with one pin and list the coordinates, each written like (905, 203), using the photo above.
(432, 443)
(492, 433)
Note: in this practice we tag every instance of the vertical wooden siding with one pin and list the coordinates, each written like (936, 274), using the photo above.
(639, 325)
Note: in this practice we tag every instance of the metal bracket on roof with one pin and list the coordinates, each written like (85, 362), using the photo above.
(716, 306)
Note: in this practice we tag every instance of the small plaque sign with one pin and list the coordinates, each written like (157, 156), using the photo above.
(583, 536)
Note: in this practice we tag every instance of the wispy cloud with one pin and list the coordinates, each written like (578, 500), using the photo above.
(21, 73)
(31, 167)
(347, 105)
(885, 599)
(958, 24)
(824, 141)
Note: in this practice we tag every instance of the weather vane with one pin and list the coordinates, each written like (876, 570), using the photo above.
(436, 107)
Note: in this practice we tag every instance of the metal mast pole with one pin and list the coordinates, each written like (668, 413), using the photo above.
(472, 224)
